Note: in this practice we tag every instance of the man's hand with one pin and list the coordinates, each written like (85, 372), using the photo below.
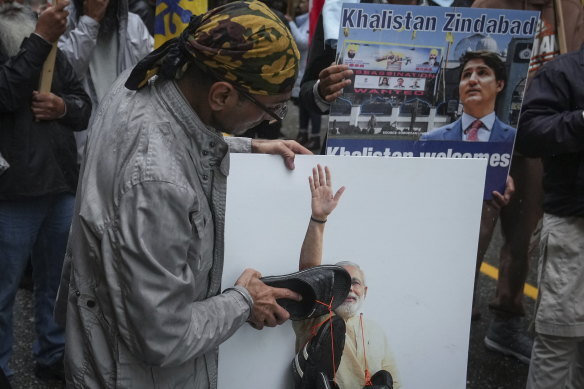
(52, 22)
(266, 311)
(501, 200)
(323, 202)
(47, 106)
(332, 81)
(95, 9)
(286, 148)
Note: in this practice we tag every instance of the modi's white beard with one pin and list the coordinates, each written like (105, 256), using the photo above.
(349, 309)
(16, 23)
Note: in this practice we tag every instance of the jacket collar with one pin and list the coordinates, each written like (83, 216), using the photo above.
(206, 137)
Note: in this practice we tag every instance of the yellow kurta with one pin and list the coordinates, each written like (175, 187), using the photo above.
(351, 371)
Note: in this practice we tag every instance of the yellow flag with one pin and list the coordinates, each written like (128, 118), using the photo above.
(172, 17)
(449, 37)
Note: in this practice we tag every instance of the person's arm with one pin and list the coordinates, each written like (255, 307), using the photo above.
(286, 148)
(151, 243)
(77, 101)
(323, 202)
(322, 81)
(300, 35)
(80, 39)
(19, 75)
(140, 40)
(550, 124)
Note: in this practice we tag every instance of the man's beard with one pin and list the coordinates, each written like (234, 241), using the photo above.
(349, 309)
(16, 23)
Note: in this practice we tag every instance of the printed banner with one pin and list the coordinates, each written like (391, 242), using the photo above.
(172, 17)
(432, 82)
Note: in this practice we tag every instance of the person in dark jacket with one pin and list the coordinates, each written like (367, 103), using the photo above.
(37, 190)
(552, 127)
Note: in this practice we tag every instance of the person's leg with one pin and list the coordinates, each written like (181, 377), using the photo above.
(4, 383)
(576, 377)
(489, 217)
(518, 221)
(303, 120)
(506, 333)
(19, 223)
(314, 136)
(47, 259)
(552, 360)
(315, 124)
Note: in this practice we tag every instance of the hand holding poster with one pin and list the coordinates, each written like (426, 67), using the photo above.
(432, 82)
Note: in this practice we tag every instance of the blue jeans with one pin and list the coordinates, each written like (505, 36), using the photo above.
(37, 228)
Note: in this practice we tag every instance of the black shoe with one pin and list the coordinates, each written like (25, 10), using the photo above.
(302, 138)
(313, 143)
(381, 380)
(4, 381)
(315, 359)
(509, 338)
(56, 371)
(329, 284)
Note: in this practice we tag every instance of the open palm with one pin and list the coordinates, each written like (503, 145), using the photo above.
(323, 201)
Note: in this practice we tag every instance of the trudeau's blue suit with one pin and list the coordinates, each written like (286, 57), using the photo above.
(500, 132)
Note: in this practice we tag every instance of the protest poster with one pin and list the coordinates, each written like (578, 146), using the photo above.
(409, 96)
(405, 233)
(173, 16)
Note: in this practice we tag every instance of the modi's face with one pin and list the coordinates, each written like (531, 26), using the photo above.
(352, 304)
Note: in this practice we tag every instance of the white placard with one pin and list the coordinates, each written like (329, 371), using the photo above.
(411, 223)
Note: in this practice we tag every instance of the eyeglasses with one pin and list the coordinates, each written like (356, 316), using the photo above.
(278, 112)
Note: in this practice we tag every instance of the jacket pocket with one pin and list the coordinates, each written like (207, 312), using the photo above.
(95, 367)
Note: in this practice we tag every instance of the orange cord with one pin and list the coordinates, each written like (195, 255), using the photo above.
(315, 329)
(367, 372)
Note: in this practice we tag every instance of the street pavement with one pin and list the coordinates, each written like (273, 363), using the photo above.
(486, 369)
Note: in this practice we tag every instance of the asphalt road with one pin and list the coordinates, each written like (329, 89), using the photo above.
(486, 369)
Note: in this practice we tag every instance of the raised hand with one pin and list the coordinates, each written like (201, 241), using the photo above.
(332, 81)
(52, 22)
(323, 201)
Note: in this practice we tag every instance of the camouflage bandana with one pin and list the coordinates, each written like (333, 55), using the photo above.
(241, 42)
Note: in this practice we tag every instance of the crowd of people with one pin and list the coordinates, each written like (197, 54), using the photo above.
(113, 185)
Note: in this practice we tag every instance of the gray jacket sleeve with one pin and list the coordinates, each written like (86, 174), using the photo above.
(161, 311)
(238, 144)
(78, 43)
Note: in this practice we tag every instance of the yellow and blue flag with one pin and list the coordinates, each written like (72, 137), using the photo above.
(172, 17)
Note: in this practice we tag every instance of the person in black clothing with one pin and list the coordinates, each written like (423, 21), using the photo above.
(37, 190)
(552, 127)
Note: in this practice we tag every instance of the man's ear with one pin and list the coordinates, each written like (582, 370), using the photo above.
(222, 95)
(500, 85)
(365, 292)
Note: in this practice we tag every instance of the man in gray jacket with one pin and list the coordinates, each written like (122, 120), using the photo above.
(101, 41)
(141, 282)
